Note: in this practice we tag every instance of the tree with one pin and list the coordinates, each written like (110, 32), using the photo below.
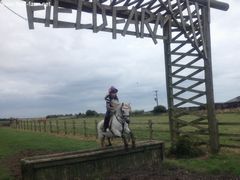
(159, 109)
(138, 112)
(91, 113)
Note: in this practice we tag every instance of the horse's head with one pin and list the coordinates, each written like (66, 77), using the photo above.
(125, 112)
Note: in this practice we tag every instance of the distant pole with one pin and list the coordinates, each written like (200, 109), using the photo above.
(156, 96)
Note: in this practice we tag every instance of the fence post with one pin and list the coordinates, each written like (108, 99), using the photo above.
(74, 127)
(96, 128)
(57, 125)
(150, 129)
(15, 124)
(39, 126)
(18, 124)
(31, 125)
(84, 128)
(24, 125)
(34, 122)
(44, 126)
(50, 126)
(65, 127)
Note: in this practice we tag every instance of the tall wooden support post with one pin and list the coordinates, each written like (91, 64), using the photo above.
(212, 121)
(168, 70)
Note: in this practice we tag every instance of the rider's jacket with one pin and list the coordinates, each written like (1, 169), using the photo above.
(109, 99)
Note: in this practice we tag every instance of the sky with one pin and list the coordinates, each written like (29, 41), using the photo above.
(61, 71)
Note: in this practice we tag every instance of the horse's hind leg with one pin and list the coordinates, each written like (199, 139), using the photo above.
(109, 141)
(125, 141)
(133, 140)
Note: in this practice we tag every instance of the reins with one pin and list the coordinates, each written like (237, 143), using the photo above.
(121, 119)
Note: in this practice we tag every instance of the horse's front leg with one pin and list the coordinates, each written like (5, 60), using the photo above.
(130, 135)
(122, 135)
(102, 141)
(125, 141)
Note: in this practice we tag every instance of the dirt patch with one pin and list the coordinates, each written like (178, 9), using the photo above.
(167, 174)
(13, 163)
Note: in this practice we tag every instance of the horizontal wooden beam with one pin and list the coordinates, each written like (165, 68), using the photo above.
(91, 164)
(214, 4)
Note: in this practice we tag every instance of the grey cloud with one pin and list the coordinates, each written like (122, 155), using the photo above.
(49, 71)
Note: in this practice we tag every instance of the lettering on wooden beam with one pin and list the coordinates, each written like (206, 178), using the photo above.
(132, 21)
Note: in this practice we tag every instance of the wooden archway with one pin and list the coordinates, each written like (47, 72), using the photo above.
(185, 26)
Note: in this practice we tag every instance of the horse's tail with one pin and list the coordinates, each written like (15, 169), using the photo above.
(100, 129)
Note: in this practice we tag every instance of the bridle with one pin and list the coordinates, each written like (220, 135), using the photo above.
(122, 118)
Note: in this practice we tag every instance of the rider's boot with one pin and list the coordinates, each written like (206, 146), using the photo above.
(106, 123)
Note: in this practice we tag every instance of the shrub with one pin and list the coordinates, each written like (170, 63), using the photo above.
(186, 147)
(159, 109)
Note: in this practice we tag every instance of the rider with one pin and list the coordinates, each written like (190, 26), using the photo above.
(111, 96)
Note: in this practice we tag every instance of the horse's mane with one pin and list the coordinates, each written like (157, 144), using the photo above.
(117, 104)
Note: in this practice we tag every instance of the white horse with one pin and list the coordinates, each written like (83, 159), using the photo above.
(118, 125)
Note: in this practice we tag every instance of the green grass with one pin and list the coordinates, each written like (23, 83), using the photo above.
(223, 163)
(14, 141)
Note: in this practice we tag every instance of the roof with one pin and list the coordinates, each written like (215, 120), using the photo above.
(236, 99)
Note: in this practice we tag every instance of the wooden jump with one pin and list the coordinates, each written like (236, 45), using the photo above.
(92, 164)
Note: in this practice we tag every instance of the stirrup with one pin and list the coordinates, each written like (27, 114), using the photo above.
(106, 130)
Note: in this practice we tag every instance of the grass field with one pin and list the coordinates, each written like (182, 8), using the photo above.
(14, 142)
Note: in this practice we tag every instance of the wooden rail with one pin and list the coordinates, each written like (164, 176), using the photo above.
(147, 130)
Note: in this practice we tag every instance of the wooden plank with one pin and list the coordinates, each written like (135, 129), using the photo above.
(213, 126)
(185, 123)
(189, 77)
(187, 89)
(229, 134)
(191, 23)
(201, 29)
(168, 70)
(96, 6)
(177, 36)
(79, 18)
(180, 8)
(189, 100)
(145, 22)
(179, 47)
(229, 146)
(187, 65)
(29, 15)
(48, 14)
(183, 56)
(183, 78)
